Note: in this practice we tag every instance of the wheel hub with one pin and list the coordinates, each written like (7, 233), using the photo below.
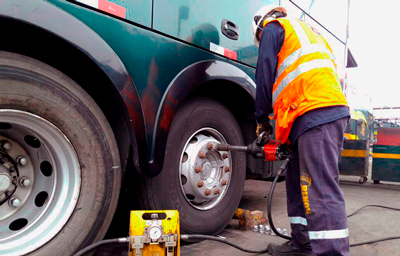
(39, 181)
(5, 181)
(8, 173)
(204, 172)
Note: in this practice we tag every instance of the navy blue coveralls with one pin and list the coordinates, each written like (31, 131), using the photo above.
(315, 202)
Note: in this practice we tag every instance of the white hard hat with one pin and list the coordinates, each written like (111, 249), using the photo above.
(260, 16)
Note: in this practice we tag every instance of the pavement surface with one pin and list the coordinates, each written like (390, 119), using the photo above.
(368, 224)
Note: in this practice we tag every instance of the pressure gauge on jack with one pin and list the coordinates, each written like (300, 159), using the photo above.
(155, 233)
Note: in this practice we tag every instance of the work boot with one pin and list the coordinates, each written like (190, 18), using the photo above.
(286, 248)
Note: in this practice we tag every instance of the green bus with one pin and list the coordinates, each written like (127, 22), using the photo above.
(108, 106)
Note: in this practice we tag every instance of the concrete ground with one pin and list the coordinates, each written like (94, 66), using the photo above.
(369, 224)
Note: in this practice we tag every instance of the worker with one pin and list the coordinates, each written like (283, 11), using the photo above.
(297, 81)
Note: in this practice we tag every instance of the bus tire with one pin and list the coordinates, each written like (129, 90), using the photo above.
(70, 158)
(206, 199)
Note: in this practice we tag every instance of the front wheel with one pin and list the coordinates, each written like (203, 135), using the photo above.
(59, 162)
(203, 184)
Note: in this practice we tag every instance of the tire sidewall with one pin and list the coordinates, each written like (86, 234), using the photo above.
(39, 89)
(198, 114)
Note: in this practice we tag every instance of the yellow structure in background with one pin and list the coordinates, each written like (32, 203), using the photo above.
(351, 136)
(154, 233)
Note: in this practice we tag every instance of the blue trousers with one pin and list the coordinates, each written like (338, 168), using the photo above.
(315, 202)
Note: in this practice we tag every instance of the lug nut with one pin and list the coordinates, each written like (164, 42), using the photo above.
(255, 228)
(21, 160)
(200, 183)
(6, 145)
(25, 182)
(227, 169)
(14, 202)
(261, 229)
(207, 192)
(210, 146)
(224, 156)
(224, 182)
(202, 154)
(197, 169)
(267, 230)
(216, 191)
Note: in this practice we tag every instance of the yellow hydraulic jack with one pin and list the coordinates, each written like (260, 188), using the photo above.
(154, 233)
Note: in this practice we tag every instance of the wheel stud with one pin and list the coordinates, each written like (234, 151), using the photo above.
(207, 192)
(216, 191)
(224, 156)
(6, 145)
(202, 154)
(197, 169)
(200, 183)
(224, 183)
(25, 182)
(227, 169)
(22, 161)
(14, 202)
(210, 146)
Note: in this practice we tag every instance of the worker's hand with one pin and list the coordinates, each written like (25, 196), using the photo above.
(267, 127)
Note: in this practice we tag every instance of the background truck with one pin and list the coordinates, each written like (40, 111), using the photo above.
(107, 103)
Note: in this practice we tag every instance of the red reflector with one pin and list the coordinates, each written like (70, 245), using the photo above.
(112, 8)
(230, 54)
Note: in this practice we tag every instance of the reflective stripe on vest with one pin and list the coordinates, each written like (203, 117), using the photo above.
(306, 75)
(301, 34)
(311, 48)
(329, 234)
(306, 48)
(303, 68)
(298, 220)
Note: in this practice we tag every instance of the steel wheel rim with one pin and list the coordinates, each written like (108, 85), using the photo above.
(204, 187)
(53, 167)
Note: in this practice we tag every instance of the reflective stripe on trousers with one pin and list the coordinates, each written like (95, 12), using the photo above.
(298, 220)
(329, 234)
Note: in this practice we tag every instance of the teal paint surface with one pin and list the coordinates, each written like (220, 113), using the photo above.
(189, 20)
(355, 166)
(386, 149)
(151, 59)
(386, 169)
(138, 11)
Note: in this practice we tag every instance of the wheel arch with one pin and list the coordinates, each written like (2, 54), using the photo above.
(73, 48)
(212, 78)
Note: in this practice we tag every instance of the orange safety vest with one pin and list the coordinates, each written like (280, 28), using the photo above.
(306, 76)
